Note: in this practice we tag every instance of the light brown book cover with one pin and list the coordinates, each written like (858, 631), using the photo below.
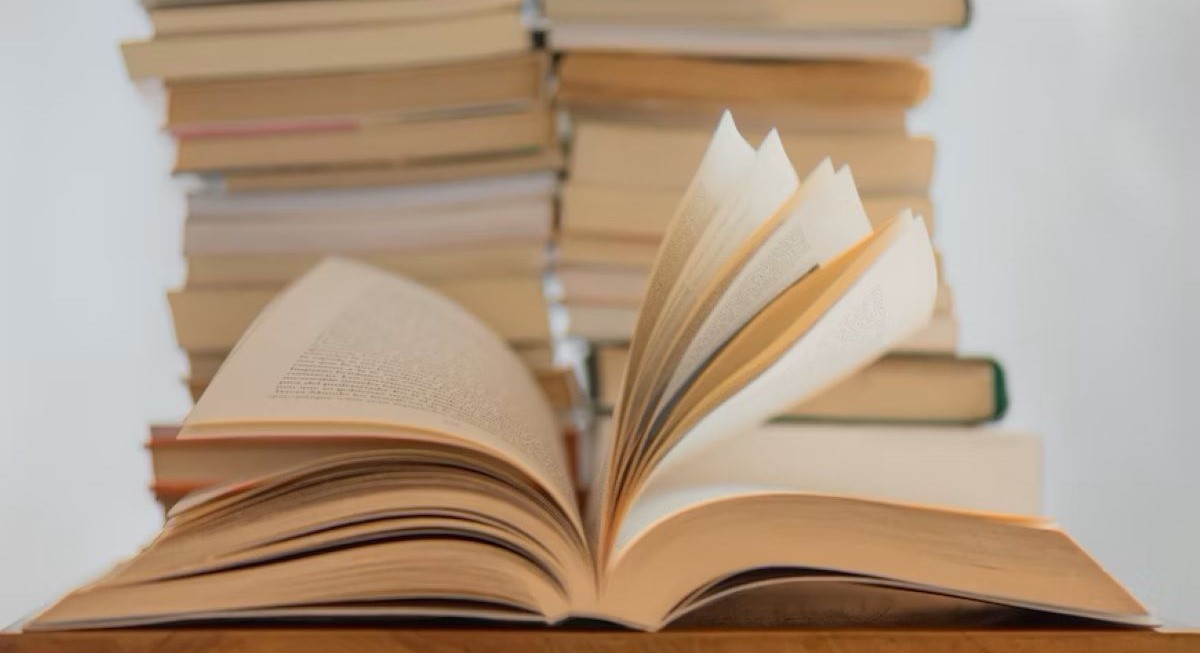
(355, 97)
(618, 77)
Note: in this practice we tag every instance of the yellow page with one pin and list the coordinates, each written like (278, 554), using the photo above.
(894, 297)
(827, 220)
(350, 347)
(725, 162)
(767, 185)
(991, 472)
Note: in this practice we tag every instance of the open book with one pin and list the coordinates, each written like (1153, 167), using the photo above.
(456, 501)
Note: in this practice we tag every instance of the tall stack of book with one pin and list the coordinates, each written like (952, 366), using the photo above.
(415, 136)
(643, 82)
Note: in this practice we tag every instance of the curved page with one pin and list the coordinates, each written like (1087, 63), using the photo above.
(892, 297)
(767, 185)
(727, 159)
(991, 472)
(826, 221)
(349, 346)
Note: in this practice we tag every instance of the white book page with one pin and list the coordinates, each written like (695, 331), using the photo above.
(990, 471)
(725, 162)
(894, 297)
(766, 187)
(768, 184)
(827, 220)
(351, 350)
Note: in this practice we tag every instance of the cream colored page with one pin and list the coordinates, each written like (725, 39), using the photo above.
(725, 162)
(351, 344)
(828, 220)
(893, 298)
(767, 185)
(991, 471)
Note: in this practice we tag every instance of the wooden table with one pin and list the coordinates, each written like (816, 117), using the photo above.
(371, 640)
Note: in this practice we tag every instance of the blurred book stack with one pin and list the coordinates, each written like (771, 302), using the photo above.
(419, 136)
(642, 84)
(415, 135)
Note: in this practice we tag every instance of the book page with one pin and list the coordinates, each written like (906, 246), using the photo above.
(727, 159)
(350, 347)
(768, 184)
(1019, 562)
(992, 472)
(892, 299)
(826, 221)
(828, 326)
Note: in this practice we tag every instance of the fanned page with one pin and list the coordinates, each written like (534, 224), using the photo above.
(768, 183)
(718, 274)
(824, 218)
(725, 162)
(873, 299)
(889, 299)
(722, 544)
(351, 350)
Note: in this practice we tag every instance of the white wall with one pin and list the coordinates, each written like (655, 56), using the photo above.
(1067, 138)
(89, 227)
(1068, 171)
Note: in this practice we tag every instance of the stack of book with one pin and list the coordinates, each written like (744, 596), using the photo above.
(382, 451)
(419, 137)
(415, 136)
(642, 83)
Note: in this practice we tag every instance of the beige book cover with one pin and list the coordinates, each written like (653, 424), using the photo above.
(652, 156)
(371, 142)
(339, 48)
(775, 14)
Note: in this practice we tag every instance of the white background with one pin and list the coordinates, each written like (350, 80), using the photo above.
(1069, 175)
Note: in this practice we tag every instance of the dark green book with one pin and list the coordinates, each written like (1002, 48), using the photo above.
(899, 388)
